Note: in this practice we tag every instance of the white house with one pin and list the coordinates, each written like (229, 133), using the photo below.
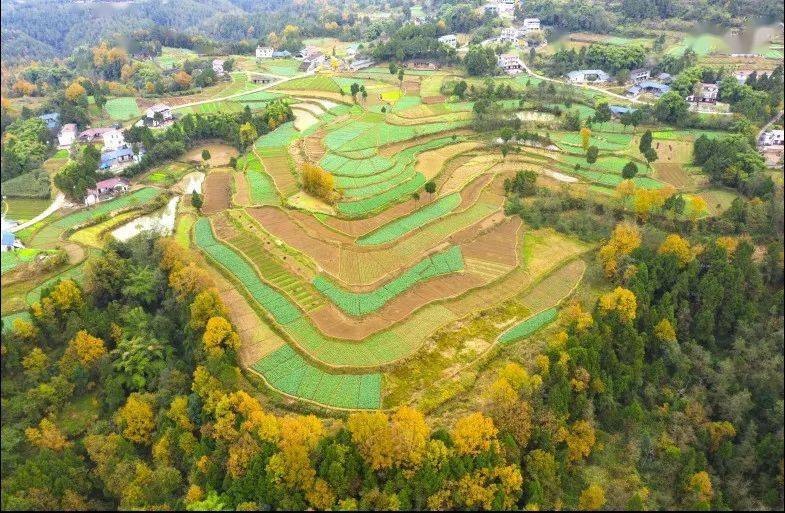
(510, 63)
(351, 50)
(359, 64)
(509, 35)
(106, 189)
(163, 109)
(67, 135)
(530, 24)
(503, 8)
(113, 139)
(587, 76)
(449, 40)
(707, 93)
(264, 52)
(640, 74)
(218, 67)
(772, 138)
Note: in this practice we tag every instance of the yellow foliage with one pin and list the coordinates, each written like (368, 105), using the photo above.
(320, 496)
(137, 418)
(205, 305)
(729, 243)
(35, 362)
(219, 335)
(718, 432)
(409, 434)
(161, 450)
(194, 494)
(576, 315)
(678, 246)
(558, 341)
(622, 301)
(543, 364)
(625, 239)
(86, 348)
(182, 79)
(592, 498)
(625, 189)
(697, 207)
(585, 136)
(700, 484)
(47, 436)
(241, 452)
(580, 440)
(178, 412)
(664, 331)
(502, 393)
(173, 255)
(318, 182)
(74, 91)
(24, 88)
(474, 434)
(66, 296)
(25, 329)
(189, 281)
(371, 433)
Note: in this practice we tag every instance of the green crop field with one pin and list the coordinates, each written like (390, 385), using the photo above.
(403, 225)
(24, 209)
(122, 109)
(13, 259)
(529, 326)
(287, 371)
(312, 83)
(363, 303)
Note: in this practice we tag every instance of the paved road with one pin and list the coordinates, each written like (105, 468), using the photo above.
(58, 202)
(279, 79)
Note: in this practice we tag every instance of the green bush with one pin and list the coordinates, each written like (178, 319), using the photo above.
(33, 184)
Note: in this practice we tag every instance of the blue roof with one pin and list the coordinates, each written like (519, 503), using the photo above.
(7, 239)
(648, 84)
(52, 119)
(618, 109)
(634, 89)
(109, 156)
(284, 53)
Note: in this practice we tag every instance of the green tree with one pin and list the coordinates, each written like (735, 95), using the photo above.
(630, 170)
(592, 154)
(196, 200)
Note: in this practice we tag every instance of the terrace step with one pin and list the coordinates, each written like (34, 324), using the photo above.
(488, 270)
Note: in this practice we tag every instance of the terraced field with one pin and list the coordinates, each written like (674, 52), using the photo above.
(350, 290)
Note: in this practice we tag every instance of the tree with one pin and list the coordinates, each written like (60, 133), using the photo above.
(136, 417)
(645, 143)
(625, 239)
(585, 135)
(219, 336)
(676, 245)
(591, 154)
(592, 498)
(400, 76)
(182, 79)
(620, 301)
(205, 154)
(473, 434)
(650, 155)
(479, 61)
(75, 93)
(671, 107)
(47, 436)
(393, 68)
(196, 201)
(602, 113)
(248, 135)
(629, 171)
(524, 183)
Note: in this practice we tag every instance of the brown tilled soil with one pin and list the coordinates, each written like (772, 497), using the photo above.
(220, 153)
(242, 195)
(333, 322)
(217, 191)
(278, 169)
(430, 100)
(411, 87)
(674, 174)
